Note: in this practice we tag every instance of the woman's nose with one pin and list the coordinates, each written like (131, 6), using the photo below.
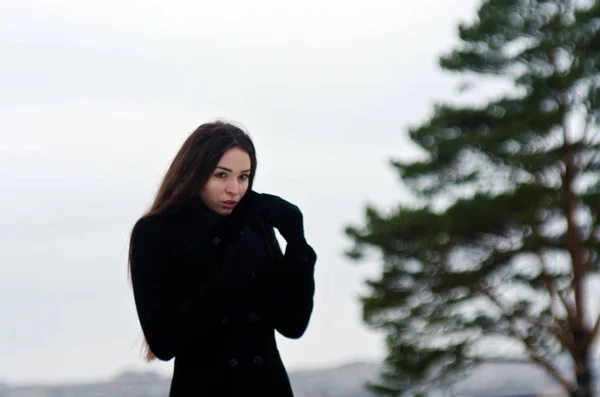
(233, 188)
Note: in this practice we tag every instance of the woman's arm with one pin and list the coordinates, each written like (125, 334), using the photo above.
(294, 289)
(167, 322)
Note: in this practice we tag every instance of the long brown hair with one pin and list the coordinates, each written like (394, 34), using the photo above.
(190, 170)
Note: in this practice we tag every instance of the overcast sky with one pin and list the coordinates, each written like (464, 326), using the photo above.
(96, 98)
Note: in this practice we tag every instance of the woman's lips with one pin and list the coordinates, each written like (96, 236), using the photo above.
(228, 204)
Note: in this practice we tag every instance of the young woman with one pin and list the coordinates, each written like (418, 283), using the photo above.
(210, 282)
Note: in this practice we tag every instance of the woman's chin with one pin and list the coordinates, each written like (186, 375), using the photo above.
(223, 211)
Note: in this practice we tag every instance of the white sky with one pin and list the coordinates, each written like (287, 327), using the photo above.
(95, 98)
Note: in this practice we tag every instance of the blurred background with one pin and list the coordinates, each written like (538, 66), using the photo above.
(96, 98)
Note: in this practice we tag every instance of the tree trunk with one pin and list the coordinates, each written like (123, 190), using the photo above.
(582, 366)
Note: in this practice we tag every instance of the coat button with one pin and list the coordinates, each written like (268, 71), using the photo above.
(252, 317)
(258, 361)
(233, 363)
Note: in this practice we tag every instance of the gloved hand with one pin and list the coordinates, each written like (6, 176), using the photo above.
(284, 216)
(243, 257)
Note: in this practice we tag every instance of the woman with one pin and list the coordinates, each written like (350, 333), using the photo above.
(210, 282)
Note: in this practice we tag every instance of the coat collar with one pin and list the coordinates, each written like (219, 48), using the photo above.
(194, 223)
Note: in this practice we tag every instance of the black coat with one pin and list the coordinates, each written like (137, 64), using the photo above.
(220, 332)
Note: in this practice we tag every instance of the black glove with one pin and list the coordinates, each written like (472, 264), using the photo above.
(242, 258)
(284, 216)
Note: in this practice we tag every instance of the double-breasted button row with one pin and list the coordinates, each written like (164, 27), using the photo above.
(233, 363)
(257, 362)
(251, 318)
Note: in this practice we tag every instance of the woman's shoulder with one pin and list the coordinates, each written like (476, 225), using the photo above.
(148, 227)
(182, 230)
(158, 222)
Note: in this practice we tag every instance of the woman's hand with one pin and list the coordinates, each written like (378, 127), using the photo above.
(284, 216)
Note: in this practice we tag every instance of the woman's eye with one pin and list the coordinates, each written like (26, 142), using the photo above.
(220, 175)
(244, 177)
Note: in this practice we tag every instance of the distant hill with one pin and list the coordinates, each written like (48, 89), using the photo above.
(343, 381)
(489, 380)
(492, 380)
(347, 381)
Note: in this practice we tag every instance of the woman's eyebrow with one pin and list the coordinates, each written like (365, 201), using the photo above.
(228, 170)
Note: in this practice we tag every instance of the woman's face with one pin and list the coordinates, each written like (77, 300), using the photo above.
(228, 182)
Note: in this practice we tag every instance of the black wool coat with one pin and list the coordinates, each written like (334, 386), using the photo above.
(221, 333)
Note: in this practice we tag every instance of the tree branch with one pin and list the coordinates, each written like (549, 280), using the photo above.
(530, 348)
(505, 360)
(594, 139)
(572, 243)
(594, 333)
(549, 284)
(592, 159)
(567, 386)
(587, 128)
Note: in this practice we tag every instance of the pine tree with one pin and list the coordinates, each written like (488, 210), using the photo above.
(494, 261)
